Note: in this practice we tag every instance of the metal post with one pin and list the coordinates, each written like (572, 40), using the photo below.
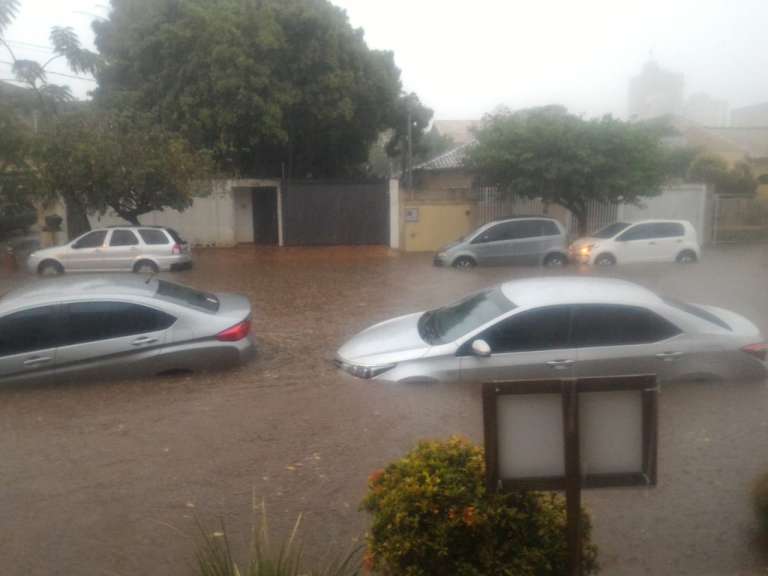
(410, 150)
(572, 476)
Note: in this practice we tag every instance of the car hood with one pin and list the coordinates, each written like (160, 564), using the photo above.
(450, 245)
(52, 251)
(390, 341)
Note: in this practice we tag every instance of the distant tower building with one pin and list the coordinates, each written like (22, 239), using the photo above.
(704, 110)
(655, 92)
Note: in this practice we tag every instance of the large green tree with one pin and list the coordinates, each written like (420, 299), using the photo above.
(118, 161)
(563, 159)
(266, 85)
(714, 170)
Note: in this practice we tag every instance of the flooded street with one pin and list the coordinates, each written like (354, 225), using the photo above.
(108, 477)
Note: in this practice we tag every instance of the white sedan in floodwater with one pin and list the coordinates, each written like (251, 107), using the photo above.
(559, 327)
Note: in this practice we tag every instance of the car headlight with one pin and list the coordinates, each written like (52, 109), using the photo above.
(365, 372)
(586, 250)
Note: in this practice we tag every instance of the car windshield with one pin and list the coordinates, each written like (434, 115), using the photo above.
(611, 230)
(451, 322)
(187, 296)
(176, 236)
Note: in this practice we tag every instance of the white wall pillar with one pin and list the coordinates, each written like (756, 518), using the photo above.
(394, 213)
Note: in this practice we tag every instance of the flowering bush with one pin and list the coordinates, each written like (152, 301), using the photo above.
(432, 517)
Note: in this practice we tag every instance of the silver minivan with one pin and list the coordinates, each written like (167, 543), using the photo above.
(141, 249)
(533, 240)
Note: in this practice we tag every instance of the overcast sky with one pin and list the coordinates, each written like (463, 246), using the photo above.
(464, 58)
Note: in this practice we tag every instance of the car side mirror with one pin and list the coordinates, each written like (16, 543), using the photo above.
(481, 349)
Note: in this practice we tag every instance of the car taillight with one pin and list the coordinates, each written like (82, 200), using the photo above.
(235, 333)
(758, 350)
(176, 249)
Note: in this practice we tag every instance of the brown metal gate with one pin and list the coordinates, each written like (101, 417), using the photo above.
(335, 212)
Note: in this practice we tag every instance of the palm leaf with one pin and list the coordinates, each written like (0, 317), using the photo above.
(8, 11)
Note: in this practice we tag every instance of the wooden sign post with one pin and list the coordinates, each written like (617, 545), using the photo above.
(571, 433)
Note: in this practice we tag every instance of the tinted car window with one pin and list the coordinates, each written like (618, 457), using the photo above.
(29, 330)
(492, 234)
(153, 236)
(540, 329)
(669, 230)
(176, 236)
(92, 321)
(639, 232)
(698, 312)
(91, 240)
(548, 228)
(612, 325)
(188, 296)
(123, 238)
(525, 229)
(447, 324)
(611, 230)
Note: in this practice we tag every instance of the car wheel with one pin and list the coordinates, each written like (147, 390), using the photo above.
(686, 257)
(555, 260)
(50, 268)
(145, 267)
(464, 262)
(605, 260)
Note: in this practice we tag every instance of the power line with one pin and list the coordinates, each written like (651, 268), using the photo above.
(62, 74)
(30, 45)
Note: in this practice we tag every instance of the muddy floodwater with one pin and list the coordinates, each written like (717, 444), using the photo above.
(109, 478)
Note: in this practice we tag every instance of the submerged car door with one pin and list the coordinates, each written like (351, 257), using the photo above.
(637, 244)
(493, 245)
(618, 340)
(123, 250)
(28, 343)
(110, 338)
(86, 253)
(531, 344)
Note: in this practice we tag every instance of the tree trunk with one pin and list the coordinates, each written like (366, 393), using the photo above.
(132, 218)
(77, 218)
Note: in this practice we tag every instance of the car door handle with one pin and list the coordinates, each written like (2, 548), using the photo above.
(559, 364)
(668, 356)
(142, 340)
(37, 360)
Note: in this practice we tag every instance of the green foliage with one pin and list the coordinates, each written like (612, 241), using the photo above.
(8, 10)
(215, 558)
(123, 162)
(714, 170)
(432, 516)
(760, 500)
(566, 160)
(262, 84)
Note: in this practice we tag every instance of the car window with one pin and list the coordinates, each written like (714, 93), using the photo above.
(615, 325)
(669, 230)
(91, 240)
(639, 232)
(525, 229)
(187, 296)
(540, 329)
(698, 312)
(123, 238)
(492, 234)
(28, 330)
(451, 322)
(176, 236)
(153, 236)
(548, 228)
(92, 321)
(611, 230)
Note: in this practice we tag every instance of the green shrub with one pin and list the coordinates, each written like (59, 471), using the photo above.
(214, 556)
(432, 517)
(760, 500)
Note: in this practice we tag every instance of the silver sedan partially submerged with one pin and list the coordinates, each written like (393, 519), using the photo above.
(85, 327)
(558, 327)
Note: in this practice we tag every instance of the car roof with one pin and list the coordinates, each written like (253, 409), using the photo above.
(54, 289)
(131, 226)
(577, 290)
(656, 221)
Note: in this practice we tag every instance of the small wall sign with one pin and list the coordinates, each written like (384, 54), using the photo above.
(411, 214)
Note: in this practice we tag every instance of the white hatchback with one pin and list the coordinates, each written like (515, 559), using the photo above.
(644, 241)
